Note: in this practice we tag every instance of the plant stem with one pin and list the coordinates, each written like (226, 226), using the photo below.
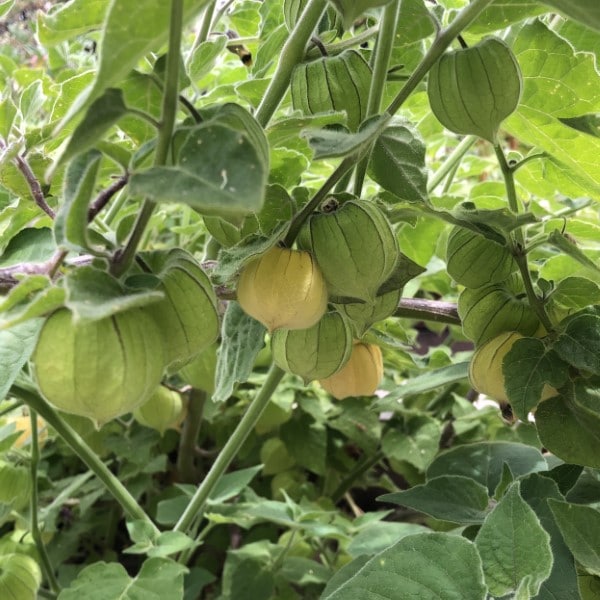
(441, 42)
(207, 17)
(186, 467)
(339, 47)
(34, 185)
(231, 448)
(291, 54)
(319, 196)
(167, 124)
(451, 161)
(381, 62)
(362, 467)
(84, 452)
(35, 526)
(10, 408)
(518, 240)
(428, 310)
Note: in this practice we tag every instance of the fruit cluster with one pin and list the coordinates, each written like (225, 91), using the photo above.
(104, 368)
(317, 301)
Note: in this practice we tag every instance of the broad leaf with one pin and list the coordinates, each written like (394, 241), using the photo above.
(352, 9)
(378, 536)
(416, 443)
(484, 462)
(505, 541)
(16, 346)
(448, 498)
(412, 567)
(398, 162)
(579, 342)
(580, 528)
(584, 11)
(159, 578)
(218, 172)
(243, 337)
(527, 367)
(501, 13)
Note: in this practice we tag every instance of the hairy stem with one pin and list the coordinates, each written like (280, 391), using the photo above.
(452, 160)
(291, 54)
(35, 526)
(518, 240)
(167, 123)
(381, 62)
(428, 310)
(84, 452)
(196, 505)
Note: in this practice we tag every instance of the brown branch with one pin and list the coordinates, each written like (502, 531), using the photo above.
(105, 195)
(34, 186)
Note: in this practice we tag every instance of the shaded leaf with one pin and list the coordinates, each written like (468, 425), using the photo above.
(69, 20)
(579, 342)
(448, 497)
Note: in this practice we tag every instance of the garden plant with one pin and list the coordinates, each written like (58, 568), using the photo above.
(300, 299)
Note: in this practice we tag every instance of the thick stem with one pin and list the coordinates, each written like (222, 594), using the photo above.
(84, 452)
(105, 195)
(518, 240)
(167, 124)
(381, 62)
(339, 47)
(451, 161)
(186, 467)
(291, 54)
(420, 309)
(229, 451)
(442, 41)
(35, 526)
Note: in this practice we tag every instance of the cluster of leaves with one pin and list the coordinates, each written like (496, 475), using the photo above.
(421, 492)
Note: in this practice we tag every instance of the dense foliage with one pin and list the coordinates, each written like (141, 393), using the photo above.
(405, 401)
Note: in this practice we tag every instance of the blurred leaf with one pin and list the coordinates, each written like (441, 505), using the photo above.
(586, 12)
(243, 337)
(563, 243)
(576, 292)
(159, 578)
(398, 162)
(69, 20)
(504, 543)
(30, 245)
(484, 461)
(416, 443)
(580, 528)
(306, 442)
(16, 346)
(94, 294)
(205, 56)
(501, 13)
(412, 565)
(352, 9)
(218, 172)
(448, 497)
(536, 489)
(589, 124)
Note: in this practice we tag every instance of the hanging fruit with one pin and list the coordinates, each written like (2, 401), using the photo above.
(355, 247)
(314, 353)
(283, 288)
(360, 376)
(364, 314)
(163, 410)
(472, 90)
(98, 369)
(187, 317)
(20, 577)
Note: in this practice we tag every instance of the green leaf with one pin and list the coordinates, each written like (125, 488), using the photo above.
(16, 346)
(94, 294)
(579, 342)
(448, 497)
(205, 56)
(8, 112)
(378, 536)
(586, 12)
(29, 245)
(589, 124)
(502, 13)
(159, 578)
(576, 292)
(70, 20)
(416, 443)
(405, 270)
(536, 489)
(231, 484)
(484, 462)
(527, 367)
(331, 143)
(243, 337)
(505, 541)
(71, 223)
(358, 423)
(132, 29)
(427, 382)
(306, 441)
(398, 162)
(580, 528)
(6, 6)
(412, 567)
(558, 239)
(218, 172)
(352, 9)
(568, 430)
(303, 571)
